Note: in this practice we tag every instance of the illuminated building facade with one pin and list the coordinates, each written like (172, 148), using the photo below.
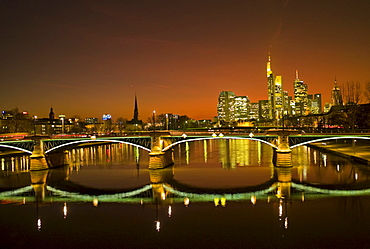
(287, 106)
(270, 88)
(275, 93)
(263, 110)
(279, 97)
(315, 103)
(241, 107)
(254, 111)
(225, 106)
(300, 96)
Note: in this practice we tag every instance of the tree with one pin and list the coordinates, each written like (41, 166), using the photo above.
(121, 122)
(351, 94)
(367, 91)
(18, 122)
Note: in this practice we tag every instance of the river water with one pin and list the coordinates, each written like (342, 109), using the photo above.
(218, 194)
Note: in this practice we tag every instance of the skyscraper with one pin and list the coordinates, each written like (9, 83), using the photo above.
(270, 89)
(275, 93)
(225, 106)
(300, 96)
(241, 107)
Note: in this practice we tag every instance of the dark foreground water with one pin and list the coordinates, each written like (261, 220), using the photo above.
(218, 194)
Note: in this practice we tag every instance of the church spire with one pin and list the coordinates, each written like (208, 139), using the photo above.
(136, 110)
(51, 113)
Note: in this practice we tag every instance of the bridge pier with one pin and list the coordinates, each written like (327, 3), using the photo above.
(38, 183)
(284, 177)
(159, 159)
(282, 155)
(38, 160)
(157, 179)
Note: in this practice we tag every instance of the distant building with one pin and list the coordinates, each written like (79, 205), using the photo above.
(300, 96)
(327, 107)
(336, 95)
(91, 121)
(225, 106)
(263, 110)
(14, 121)
(316, 103)
(241, 107)
(287, 106)
(275, 93)
(254, 111)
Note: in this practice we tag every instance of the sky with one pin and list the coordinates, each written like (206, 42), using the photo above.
(89, 58)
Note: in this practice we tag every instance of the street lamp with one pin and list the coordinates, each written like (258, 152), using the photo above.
(154, 120)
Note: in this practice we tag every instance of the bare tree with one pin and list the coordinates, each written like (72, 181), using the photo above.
(367, 91)
(351, 93)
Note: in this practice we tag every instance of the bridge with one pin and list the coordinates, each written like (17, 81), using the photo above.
(160, 144)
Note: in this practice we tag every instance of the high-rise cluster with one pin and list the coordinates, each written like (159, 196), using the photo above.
(279, 104)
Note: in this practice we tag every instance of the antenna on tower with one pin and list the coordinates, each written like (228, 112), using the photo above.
(296, 74)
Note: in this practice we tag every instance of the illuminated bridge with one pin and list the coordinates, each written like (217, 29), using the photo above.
(145, 142)
(159, 144)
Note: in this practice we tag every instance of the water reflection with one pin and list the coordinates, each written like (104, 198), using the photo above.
(212, 184)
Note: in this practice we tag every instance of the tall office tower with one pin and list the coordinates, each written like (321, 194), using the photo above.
(279, 98)
(287, 106)
(270, 89)
(300, 96)
(263, 110)
(336, 95)
(241, 107)
(225, 106)
(275, 93)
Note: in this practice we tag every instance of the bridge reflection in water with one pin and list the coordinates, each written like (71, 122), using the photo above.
(275, 185)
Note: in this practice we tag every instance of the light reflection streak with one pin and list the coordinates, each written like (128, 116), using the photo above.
(187, 150)
(205, 150)
(286, 223)
(157, 225)
(39, 224)
(65, 210)
(169, 211)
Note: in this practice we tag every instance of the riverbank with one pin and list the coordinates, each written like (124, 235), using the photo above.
(359, 153)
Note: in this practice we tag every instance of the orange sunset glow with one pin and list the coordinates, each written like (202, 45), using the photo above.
(88, 58)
